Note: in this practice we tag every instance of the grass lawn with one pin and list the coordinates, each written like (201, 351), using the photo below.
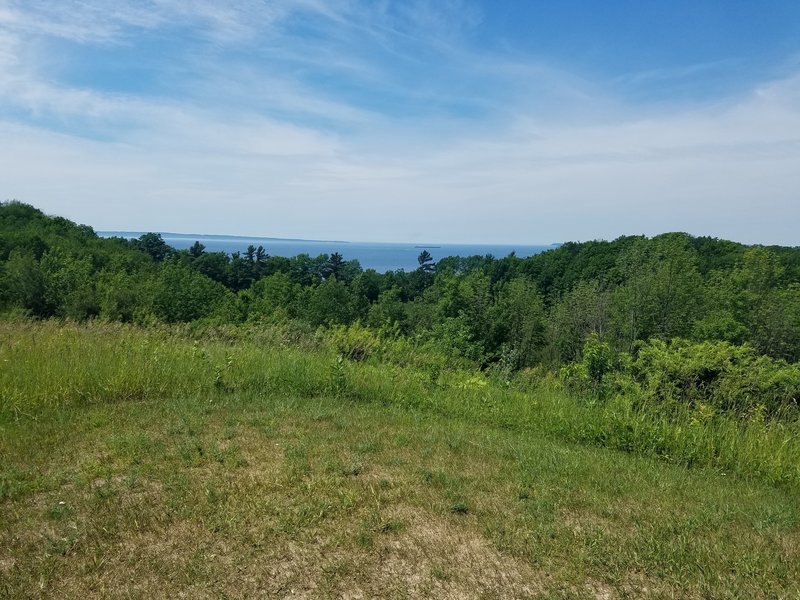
(315, 497)
(279, 490)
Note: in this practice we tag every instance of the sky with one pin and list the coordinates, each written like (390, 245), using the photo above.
(513, 121)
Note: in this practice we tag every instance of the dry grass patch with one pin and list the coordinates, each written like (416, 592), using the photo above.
(436, 557)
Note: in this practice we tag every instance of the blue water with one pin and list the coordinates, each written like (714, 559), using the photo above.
(378, 256)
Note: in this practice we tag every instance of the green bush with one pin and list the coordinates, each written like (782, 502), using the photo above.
(593, 374)
(353, 342)
(723, 375)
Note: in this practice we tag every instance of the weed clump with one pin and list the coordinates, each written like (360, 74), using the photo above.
(459, 508)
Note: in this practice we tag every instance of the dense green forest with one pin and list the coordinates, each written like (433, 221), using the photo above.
(668, 318)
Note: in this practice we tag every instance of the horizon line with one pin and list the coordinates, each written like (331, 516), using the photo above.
(218, 236)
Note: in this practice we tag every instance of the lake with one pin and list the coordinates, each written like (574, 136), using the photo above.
(372, 255)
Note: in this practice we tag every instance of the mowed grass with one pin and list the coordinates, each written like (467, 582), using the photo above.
(279, 482)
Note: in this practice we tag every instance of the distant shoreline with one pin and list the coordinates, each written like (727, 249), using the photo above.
(240, 238)
(211, 236)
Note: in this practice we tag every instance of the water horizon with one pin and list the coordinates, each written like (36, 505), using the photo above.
(380, 256)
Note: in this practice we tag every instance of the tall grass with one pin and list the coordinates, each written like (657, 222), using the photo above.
(47, 365)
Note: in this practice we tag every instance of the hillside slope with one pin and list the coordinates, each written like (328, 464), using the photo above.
(231, 468)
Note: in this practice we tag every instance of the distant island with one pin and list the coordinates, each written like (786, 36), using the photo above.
(211, 236)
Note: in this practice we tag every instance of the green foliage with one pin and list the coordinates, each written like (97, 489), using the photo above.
(214, 265)
(122, 433)
(592, 376)
(578, 313)
(154, 245)
(25, 284)
(518, 322)
(126, 297)
(45, 365)
(659, 295)
(197, 250)
(502, 315)
(452, 336)
(181, 294)
(459, 508)
(389, 308)
(774, 323)
(69, 290)
(274, 297)
(329, 303)
(354, 342)
(425, 261)
(598, 359)
(679, 348)
(719, 374)
(719, 325)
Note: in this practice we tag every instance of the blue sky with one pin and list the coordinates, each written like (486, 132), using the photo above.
(438, 120)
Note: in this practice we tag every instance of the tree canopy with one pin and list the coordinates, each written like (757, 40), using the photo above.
(510, 310)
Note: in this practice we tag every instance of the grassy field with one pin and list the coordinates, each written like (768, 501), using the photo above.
(143, 463)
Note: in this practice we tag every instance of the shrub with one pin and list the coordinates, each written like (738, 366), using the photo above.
(723, 375)
(593, 374)
(354, 342)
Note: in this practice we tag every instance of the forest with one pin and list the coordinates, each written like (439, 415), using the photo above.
(672, 317)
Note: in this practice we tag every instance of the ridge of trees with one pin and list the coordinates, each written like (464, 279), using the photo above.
(519, 312)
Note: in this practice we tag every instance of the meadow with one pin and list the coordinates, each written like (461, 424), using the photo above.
(265, 460)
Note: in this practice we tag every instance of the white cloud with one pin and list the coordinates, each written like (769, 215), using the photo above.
(732, 175)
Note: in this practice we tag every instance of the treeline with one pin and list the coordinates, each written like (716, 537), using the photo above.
(505, 314)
